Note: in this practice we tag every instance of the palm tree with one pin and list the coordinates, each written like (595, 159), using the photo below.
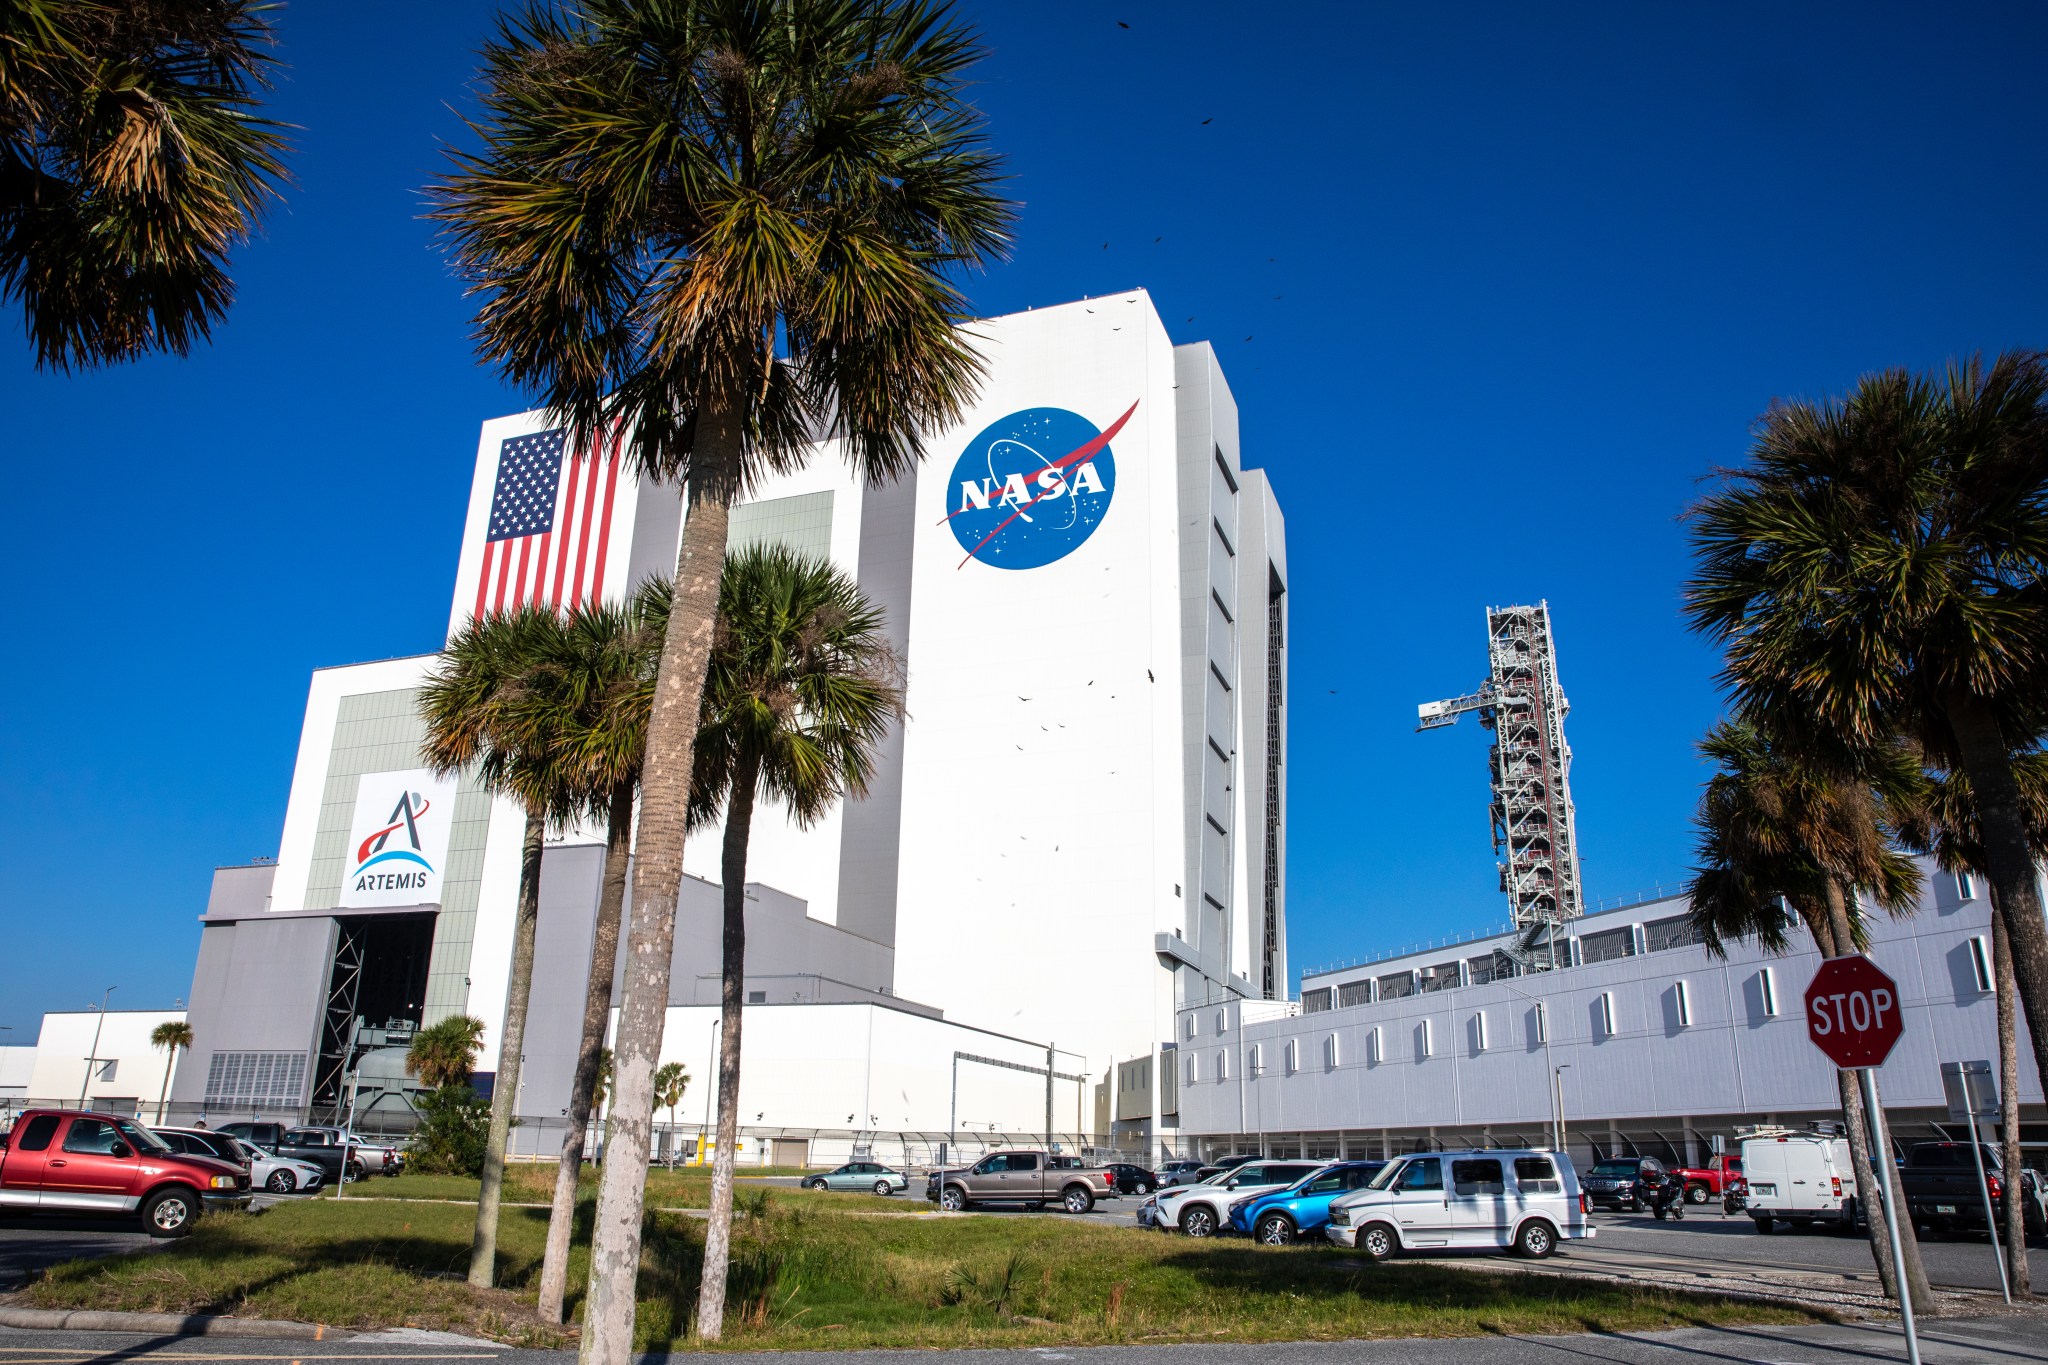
(444, 1053)
(172, 1035)
(587, 690)
(130, 161)
(669, 1084)
(1945, 827)
(478, 717)
(1880, 569)
(724, 228)
(800, 691)
(1777, 831)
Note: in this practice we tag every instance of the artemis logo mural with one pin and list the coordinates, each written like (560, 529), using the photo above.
(398, 839)
(1032, 487)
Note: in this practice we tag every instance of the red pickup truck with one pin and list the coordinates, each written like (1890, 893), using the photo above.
(1705, 1182)
(72, 1161)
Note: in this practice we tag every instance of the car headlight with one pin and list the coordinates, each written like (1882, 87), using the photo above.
(1238, 1206)
(222, 1182)
(1341, 1217)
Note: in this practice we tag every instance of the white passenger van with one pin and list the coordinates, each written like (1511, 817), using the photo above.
(1799, 1177)
(1500, 1197)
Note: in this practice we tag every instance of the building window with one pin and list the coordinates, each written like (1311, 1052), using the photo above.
(108, 1067)
(1223, 1021)
(255, 1080)
(1542, 1022)
(1767, 991)
(1607, 946)
(1192, 1069)
(1354, 993)
(1315, 1002)
(1445, 976)
(1395, 985)
(1256, 1062)
(757, 997)
(1333, 1051)
(1675, 932)
(1375, 1050)
(1479, 1031)
(1607, 1028)
(1966, 886)
(1980, 964)
(1223, 1064)
(1276, 653)
(1191, 1024)
(1293, 1055)
(1425, 1038)
(1681, 1003)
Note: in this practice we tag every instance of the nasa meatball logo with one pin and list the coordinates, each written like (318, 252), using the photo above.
(1032, 487)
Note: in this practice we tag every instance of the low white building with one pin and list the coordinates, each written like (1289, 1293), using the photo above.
(1652, 1043)
(104, 1061)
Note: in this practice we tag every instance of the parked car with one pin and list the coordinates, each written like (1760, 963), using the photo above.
(378, 1156)
(1131, 1179)
(1710, 1181)
(860, 1175)
(1614, 1183)
(1942, 1191)
(299, 1144)
(1204, 1210)
(1028, 1178)
(1300, 1209)
(279, 1175)
(1801, 1179)
(79, 1162)
(1179, 1171)
(1497, 1198)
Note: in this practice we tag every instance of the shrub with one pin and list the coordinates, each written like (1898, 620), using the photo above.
(455, 1121)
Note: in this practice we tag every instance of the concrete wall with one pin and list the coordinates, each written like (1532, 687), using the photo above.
(260, 985)
(130, 1073)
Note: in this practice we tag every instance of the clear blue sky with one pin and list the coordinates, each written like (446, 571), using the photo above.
(1495, 284)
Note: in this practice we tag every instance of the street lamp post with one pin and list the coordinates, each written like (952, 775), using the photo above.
(1556, 1086)
(93, 1060)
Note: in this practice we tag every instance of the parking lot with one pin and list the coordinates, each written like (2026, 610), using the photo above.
(28, 1245)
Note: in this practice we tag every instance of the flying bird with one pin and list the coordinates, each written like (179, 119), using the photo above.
(1121, 24)
(1207, 121)
(1149, 677)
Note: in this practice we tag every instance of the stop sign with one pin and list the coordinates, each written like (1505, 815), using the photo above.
(1852, 1012)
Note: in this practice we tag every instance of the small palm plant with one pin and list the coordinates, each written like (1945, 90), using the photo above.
(669, 1084)
(1777, 830)
(722, 228)
(173, 1036)
(444, 1053)
(802, 686)
(131, 159)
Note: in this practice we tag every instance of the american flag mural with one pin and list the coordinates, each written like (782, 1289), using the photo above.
(550, 523)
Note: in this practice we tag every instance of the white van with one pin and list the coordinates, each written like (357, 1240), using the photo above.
(1523, 1198)
(1801, 1178)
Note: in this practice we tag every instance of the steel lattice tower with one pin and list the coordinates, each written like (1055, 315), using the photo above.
(1534, 832)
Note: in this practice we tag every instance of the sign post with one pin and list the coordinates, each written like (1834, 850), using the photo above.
(1972, 1094)
(1852, 1014)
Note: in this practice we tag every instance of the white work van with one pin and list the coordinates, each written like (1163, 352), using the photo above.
(1524, 1198)
(1799, 1178)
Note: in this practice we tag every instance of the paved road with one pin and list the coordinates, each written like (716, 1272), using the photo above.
(2011, 1341)
(31, 1244)
(1962, 1260)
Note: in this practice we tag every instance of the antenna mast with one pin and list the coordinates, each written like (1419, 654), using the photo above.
(1534, 831)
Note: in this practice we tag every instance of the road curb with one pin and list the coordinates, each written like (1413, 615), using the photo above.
(166, 1324)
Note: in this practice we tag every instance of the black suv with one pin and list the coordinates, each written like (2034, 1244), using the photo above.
(1616, 1182)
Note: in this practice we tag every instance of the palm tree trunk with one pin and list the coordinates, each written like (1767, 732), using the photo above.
(657, 877)
(2009, 1110)
(1986, 760)
(163, 1095)
(483, 1246)
(739, 821)
(597, 1012)
(1854, 1119)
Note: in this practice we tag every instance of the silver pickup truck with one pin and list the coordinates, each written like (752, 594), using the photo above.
(1033, 1179)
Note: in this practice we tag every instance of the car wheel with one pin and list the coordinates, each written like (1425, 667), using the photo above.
(1078, 1199)
(356, 1171)
(1766, 1225)
(281, 1182)
(1199, 1221)
(1634, 1205)
(1274, 1230)
(814, 1183)
(953, 1199)
(1377, 1241)
(1696, 1194)
(883, 1187)
(170, 1213)
(1536, 1240)
(1141, 1188)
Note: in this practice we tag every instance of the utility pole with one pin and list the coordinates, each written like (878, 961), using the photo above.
(1048, 1095)
(93, 1060)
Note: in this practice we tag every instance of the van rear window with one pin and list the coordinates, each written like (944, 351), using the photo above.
(1536, 1175)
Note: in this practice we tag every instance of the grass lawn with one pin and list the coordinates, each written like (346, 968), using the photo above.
(686, 1187)
(809, 1274)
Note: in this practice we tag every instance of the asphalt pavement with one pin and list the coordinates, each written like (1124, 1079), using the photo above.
(2010, 1341)
(28, 1245)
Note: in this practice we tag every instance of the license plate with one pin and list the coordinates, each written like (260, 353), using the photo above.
(1944, 1208)
(1764, 1189)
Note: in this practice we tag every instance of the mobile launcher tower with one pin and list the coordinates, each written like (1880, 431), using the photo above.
(1534, 833)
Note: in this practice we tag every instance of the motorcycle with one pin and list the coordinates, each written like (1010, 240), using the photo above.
(1735, 1196)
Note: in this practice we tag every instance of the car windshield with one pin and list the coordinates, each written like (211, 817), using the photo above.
(1615, 1170)
(140, 1138)
(1386, 1175)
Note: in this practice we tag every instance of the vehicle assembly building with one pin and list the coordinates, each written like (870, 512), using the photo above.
(1077, 832)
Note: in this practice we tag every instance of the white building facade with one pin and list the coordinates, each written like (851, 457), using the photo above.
(1078, 828)
(1652, 1043)
(107, 1061)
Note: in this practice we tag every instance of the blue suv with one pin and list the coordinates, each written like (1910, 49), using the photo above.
(1277, 1218)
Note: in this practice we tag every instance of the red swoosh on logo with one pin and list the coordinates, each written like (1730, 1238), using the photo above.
(1081, 454)
(363, 849)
